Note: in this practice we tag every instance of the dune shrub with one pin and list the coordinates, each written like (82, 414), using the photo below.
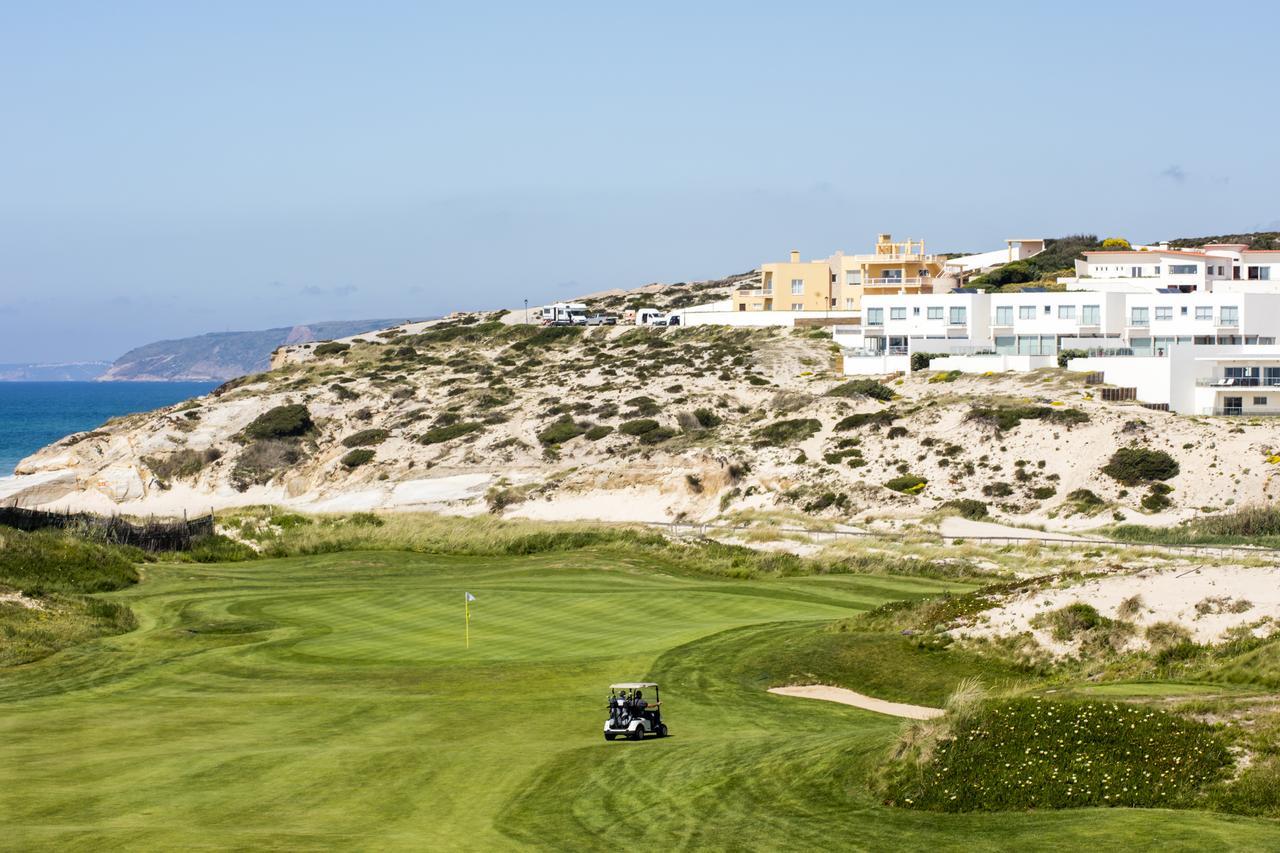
(598, 432)
(1134, 465)
(907, 484)
(182, 463)
(561, 430)
(448, 432)
(366, 438)
(331, 348)
(858, 420)
(637, 427)
(281, 422)
(969, 508)
(862, 388)
(356, 458)
(785, 432)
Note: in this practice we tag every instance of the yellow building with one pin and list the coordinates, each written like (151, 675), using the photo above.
(839, 282)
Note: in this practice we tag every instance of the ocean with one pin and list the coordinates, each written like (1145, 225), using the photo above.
(33, 414)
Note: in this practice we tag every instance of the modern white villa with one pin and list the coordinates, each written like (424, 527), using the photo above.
(1216, 267)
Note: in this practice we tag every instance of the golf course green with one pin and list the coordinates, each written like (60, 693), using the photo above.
(329, 702)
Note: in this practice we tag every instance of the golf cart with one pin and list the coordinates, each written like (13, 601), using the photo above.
(631, 714)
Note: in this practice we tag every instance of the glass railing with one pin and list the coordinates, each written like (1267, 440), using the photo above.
(1238, 382)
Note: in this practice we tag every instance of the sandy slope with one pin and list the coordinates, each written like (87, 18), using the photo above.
(858, 700)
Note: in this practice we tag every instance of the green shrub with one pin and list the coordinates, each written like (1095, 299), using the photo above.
(440, 434)
(331, 348)
(1067, 622)
(897, 432)
(1018, 754)
(946, 376)
(974, 510)
(656, 436)
(366, 438)
(561, 431)
(1085, 498)
(907, 484)
(920, 360)
(1005, 418)
(862, 388)
(785, 432)
(1134, 465)
(637, 427)
(182, 463)
(883, 417)
(707, 419)
(281, 422)
(1067, 354)
(1157, 498)
(356, 458)
(644, 406)
(997, 490)
(598, 432)
(1043, 493)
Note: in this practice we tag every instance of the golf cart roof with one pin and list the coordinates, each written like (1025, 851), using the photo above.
(632, 685)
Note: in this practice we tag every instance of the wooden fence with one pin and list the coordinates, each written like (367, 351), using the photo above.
(150, 535)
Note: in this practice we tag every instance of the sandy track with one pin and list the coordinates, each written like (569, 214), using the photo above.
(858, 700)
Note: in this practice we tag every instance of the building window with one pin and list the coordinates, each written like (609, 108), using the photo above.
(1164, 312)
(1183, 312)
(797, 286)
(957, 315)
(1091, 315)
(915, 310)
(1157, 269)
(853, 277)
(1139, 316)
(1182, 269)
(1204, 312)
(1026, 312)
(1066, 312)
(875, 316)
(934, 312)
(848, 302)
(897, 313)
(1004, 315)
(1259, 401)
(1259, 273)
(1230, 315)
(797, 306)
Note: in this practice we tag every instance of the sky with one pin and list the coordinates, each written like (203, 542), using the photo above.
(169, 169)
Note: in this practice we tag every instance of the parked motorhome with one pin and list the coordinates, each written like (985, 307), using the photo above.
(565, 314)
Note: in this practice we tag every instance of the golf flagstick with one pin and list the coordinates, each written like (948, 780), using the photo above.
(467, 604)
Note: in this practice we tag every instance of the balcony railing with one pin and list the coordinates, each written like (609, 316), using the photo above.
(1238, 382)
(875, 353)
(895, 282)
(1246, 411)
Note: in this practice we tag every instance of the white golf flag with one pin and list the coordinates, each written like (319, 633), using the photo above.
(470, 597)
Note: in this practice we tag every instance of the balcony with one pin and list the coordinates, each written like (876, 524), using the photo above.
(1246, 411)
(895, 282)
(1238, 382)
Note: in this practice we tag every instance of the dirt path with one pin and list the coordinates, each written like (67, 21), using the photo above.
(867, 703)
(952, 527)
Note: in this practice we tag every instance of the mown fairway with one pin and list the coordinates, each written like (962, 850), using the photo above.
(328, 702)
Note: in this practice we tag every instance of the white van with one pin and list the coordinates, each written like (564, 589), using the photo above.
(650, 317)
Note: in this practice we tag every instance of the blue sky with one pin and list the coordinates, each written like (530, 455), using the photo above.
(171, 168)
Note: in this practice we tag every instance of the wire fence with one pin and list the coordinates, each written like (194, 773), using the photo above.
(154, 535)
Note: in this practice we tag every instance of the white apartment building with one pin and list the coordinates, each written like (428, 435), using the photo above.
(1232, 267)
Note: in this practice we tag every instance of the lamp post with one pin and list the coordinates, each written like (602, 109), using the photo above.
(526, 312)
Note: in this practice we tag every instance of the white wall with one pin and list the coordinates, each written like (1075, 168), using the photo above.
(993, 363)
(876, 365)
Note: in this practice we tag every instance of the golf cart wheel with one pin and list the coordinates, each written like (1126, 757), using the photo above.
(609, 735)
(662, 730)
(637, 733)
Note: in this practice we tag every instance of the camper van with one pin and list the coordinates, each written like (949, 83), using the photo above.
(565, 314)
